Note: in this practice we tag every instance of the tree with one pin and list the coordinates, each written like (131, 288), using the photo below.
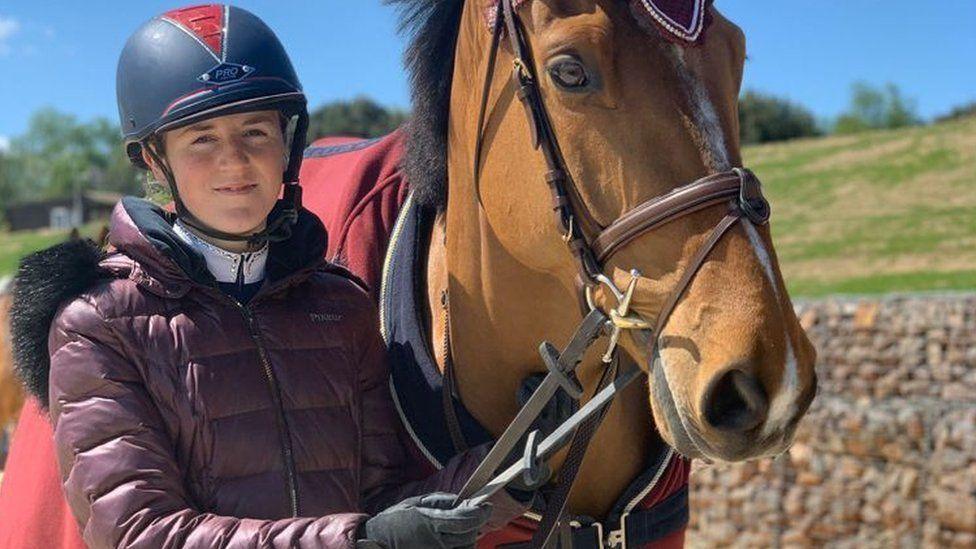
(9, 190)
(57, 155)
(361, 117)
(114, 170)
(874, 108)
(50, 155)
(764, 118)
(961, 111)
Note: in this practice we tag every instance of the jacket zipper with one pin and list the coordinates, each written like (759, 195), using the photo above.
(287, 451)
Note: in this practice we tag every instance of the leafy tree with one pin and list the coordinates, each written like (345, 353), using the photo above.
(113, 172)
(9, 189)
(57, 155)
(876, 108)
(764, 118)
(361, 117)
(961, 111)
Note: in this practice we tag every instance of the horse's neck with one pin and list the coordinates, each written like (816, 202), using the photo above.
(500, 310)
(498, 314)
(498, 317)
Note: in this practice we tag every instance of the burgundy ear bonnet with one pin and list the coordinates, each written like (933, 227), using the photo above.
(680, 21)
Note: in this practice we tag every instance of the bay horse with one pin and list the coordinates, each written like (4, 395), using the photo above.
(637, 116)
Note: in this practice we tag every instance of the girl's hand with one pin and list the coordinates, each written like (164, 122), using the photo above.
(425, 522)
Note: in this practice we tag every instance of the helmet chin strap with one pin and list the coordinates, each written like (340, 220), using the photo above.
(276, 230)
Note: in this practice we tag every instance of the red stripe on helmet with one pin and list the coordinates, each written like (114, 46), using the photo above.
(205, 22)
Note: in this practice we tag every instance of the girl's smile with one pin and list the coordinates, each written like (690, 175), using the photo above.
(236, 189)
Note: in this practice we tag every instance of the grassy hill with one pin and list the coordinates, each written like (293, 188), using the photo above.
(874, 212)
(13, 246)
(868, 213)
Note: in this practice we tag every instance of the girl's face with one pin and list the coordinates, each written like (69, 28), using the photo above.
(228, 169)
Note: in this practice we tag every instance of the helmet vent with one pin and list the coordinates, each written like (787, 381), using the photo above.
(205, 23)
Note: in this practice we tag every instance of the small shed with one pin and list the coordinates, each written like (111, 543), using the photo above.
(60, 213)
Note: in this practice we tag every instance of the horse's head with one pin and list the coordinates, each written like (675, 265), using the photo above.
(636, 117)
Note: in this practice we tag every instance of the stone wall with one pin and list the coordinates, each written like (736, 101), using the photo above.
(886, 457)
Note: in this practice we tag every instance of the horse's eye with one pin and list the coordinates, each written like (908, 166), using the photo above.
(568, 73)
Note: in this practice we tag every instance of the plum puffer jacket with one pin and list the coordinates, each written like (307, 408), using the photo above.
(183, 419)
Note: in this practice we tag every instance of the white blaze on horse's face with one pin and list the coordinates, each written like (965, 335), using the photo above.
(783, 405)
(637, 117)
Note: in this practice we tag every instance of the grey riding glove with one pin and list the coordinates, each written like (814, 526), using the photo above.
(427, 522)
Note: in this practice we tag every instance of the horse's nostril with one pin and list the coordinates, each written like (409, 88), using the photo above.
(735, 402)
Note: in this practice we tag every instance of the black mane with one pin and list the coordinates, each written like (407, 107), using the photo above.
(432, 27)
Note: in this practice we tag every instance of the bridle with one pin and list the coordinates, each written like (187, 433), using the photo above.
(738, 189)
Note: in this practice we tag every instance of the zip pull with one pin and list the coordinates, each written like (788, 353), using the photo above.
(240, 272)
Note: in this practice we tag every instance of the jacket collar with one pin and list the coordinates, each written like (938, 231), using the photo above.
(167, 265)
(224, 265)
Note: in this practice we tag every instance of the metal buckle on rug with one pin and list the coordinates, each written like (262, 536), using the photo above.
(614, 539)
(597, 530)
(618, 538)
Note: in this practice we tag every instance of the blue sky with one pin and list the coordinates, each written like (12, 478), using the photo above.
(63, 54)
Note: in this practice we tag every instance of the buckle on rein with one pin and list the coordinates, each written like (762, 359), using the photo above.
(620, 317)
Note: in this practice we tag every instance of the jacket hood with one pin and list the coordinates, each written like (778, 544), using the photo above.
(151, 254)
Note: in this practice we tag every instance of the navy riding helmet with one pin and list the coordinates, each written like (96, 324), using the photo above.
(194, 63)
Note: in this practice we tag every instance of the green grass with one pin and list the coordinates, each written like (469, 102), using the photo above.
(16, 245)
(885, 211)
(922, 281)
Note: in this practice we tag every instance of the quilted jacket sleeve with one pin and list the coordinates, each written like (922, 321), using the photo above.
(116, 460)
